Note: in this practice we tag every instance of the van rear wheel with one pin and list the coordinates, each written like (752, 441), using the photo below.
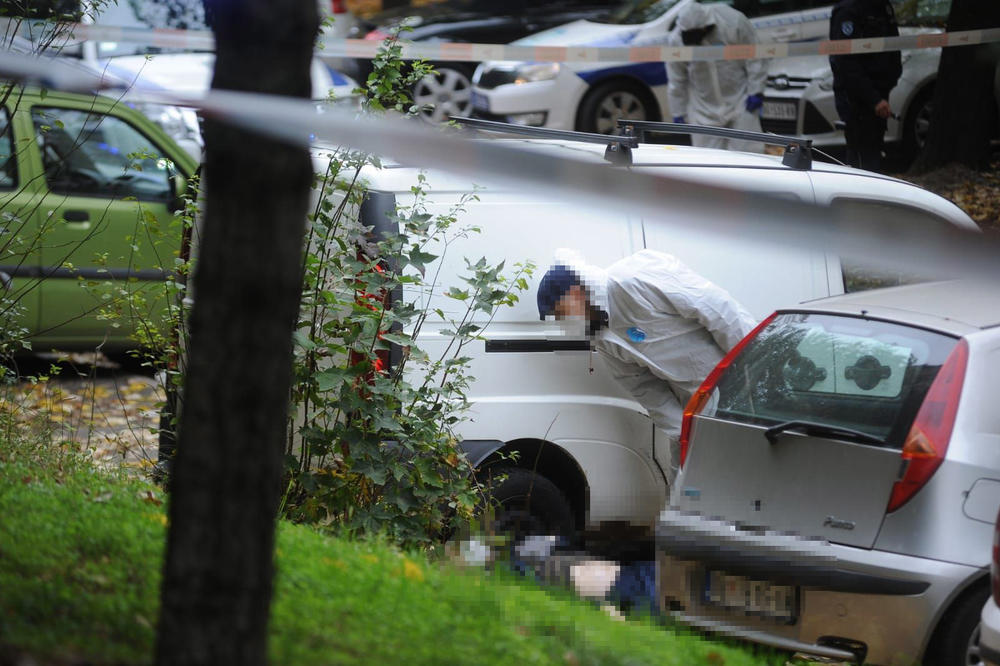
(528, 503)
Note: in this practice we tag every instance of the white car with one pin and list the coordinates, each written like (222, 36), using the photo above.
(591, 97)
(191, 74)
(989, 637)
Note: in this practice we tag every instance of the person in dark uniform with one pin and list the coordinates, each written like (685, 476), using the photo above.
(861, 83)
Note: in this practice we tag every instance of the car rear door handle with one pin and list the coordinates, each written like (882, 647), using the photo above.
(76, 215)
(76, 219)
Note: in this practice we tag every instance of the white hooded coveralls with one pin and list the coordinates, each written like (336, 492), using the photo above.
(714, 92)
(668, 328)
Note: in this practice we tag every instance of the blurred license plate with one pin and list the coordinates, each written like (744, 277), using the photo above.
(753, 597)
(480, 102)
(779, 110)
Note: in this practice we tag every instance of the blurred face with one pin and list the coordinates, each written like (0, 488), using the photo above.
(573, 304)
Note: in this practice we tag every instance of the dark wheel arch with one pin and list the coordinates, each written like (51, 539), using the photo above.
(549, 461)
(600, 89)
(952, 632)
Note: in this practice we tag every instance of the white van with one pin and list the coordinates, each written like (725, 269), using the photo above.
(589, 456)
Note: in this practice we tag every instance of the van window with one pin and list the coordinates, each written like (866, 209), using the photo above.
(859, 276)
(848, 372)
(93, 154)
(8, 161)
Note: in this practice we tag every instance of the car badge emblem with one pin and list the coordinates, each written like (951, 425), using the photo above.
(847, 27)
(780, 82)
(636, 334)
(837, 523)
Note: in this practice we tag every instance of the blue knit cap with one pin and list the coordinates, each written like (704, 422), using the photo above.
(554, 285)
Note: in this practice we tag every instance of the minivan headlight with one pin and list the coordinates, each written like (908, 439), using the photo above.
(537, 71)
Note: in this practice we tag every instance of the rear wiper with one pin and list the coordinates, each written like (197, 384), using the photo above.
(821, 430)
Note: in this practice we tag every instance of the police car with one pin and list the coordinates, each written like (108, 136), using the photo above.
(591, 97)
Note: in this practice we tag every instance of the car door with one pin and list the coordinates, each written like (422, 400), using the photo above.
(105, 224)
(19, 256)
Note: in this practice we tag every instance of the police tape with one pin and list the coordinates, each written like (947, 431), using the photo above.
(892, 241)
(646, 52)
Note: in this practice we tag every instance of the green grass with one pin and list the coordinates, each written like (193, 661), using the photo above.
(80, 557)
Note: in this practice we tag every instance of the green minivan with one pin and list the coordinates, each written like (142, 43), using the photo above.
(88, 236)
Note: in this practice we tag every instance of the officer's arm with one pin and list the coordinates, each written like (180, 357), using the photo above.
(848, 70)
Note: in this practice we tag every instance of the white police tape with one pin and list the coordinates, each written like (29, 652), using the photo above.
(650, 52)
(893, 241)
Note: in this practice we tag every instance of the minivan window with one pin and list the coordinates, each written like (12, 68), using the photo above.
(858, 275)
(8, 161)
(93, 154)
(839, 371)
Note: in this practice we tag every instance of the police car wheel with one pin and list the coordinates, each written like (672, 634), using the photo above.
(527, 503)
(447, 92)
(918, 122)
(606, 103)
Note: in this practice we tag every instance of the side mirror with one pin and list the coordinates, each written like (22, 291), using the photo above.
(178, 187)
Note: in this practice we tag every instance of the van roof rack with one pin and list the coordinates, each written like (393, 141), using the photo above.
(798, 152)
(618, 151)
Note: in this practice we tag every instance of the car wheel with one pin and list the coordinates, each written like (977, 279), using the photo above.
(607, 103)
(528, 503)
(447, 92)
(956, 642)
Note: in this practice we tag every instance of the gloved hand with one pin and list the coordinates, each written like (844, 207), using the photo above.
(679, 120)
(754, 102)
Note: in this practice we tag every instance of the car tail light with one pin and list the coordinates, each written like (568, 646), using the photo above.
(927, 441)
(704, 392)
(995, 564)
(377, 35)
(338, 6)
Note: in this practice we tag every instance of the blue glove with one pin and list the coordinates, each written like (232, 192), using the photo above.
(679, 120)
(754, 102)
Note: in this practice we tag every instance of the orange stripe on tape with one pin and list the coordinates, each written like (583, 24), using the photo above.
(550, 53)
(457, 50)
(740, 52)
(929, 41)
(834, 46)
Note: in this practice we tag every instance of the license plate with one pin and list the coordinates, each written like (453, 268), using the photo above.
(480, 102)
(752, 597)
(779, 110)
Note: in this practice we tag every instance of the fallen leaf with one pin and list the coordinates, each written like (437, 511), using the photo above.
(103, 497)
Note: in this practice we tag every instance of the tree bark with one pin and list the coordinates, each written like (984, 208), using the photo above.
(964, 113)
(225, 484)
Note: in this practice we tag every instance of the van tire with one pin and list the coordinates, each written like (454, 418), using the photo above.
(619, 99)
(527, 503)
(956, 641)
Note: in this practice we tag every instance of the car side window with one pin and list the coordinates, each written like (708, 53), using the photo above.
(859, 276)
(8, 161)
(94, 154)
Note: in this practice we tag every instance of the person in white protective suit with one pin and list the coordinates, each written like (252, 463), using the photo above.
(720, 93)
(659, 327)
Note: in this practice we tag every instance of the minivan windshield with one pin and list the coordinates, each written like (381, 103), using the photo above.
(844, 372)
(637, 11)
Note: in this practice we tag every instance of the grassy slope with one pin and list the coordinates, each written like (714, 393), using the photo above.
(79, 572)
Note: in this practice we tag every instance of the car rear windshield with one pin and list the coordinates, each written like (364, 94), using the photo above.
(839, 371)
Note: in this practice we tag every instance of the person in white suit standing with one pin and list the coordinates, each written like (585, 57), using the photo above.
(720, 93)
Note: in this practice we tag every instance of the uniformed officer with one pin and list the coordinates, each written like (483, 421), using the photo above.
(862, 82)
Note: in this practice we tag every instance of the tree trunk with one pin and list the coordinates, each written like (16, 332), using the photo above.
(226, 478)
(964, 113)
